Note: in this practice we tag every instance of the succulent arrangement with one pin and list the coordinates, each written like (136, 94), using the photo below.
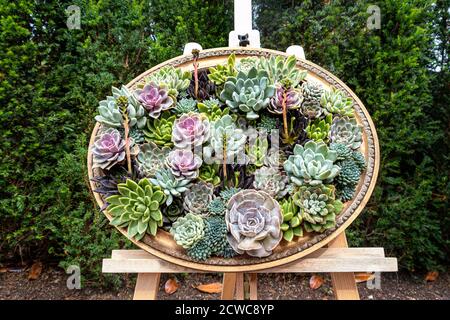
(229, 160)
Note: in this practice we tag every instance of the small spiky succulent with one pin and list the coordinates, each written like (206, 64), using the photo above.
(198, 197)
(212, 110)
(137, 207)
(159, 131)
(108, 149)
(346, 131)
(185, 105)
(345, 193)
(171, 186)
(349, 173)
(312, 92)
(227, 193)
(188, 230)
(217, 207)
(268, 123)
(319, 129)
(342, 151)
(213, 243)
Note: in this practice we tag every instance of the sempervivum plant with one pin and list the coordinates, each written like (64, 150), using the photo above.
(110, 114)
(198, 197)
(346, 131)
(185, 106)
(249, 93)
(311, 164)
(188, 230)
(213, 243)
(150, 159)
(159, 131)
(171, 186)
(137, 207)
(191, 129)
(336, 102)
(272, 181)
(318, 207)
(183, 163)
(173, 212)
(154, 99)
(108, 149)
(319, 129)
(311, 107)
(253, 220)
(292, 220)
(174, 79)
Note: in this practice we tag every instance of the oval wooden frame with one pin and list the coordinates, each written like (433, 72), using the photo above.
(169, 251)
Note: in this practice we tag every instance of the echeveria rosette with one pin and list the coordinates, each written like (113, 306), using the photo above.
(184, 164)
(111, 116)
(188, 230)
(159, 131)
(318, 207)
(191, 129)
(137, 207)
(336, 102)
(311, 164)
(108, 149)
(292, 98)
(280, 69)
(347, 131)
(174, 79)
(171, 186)
(249, 93)
(151, 158)
(253, 220)
(272, 181)
(198, 197)
(154, 99)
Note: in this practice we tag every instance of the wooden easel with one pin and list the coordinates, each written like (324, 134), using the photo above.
(337, 259)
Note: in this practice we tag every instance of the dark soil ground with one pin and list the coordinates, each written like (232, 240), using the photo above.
(51, 285)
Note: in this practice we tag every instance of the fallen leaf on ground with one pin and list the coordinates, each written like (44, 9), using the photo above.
(171, 286)
(3, 270)
(432, 276)
(35, 271)
(215, 287)
(364, 276)
(315, 282)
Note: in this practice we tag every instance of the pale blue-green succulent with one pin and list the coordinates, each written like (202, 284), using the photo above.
(171, 186)
(346, 131)
(279, 68)
(174, 79)
(188, 230)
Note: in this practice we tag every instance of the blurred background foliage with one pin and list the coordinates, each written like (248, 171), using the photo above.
(52, 77)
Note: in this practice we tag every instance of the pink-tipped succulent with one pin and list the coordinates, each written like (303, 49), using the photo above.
(183, 163)
(108, 149)
(292, 98)
(191, 129)
(154, 99)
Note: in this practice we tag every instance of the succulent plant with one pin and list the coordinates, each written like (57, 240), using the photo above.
(270, 180)
(249, 93)
(136, 136)
(137, 207)
(150, 159)
(206, 88)
(227, 193)
(191, 129)
(174, 211)
(311, 164)
(296, 133)
(108, 149)
(257, 150)
(226, 140)
(154, 99)
(359, 160)
(219, 74)
(159, 130)
(106, 185)
(246, 64)
(171, 186)
(318, 207)
(188, 230)
(343, 152)
(345, 193)
(185, 105)
(110, 114)
(198, 197)
(312, 92)
(212, 110)
(210, 173)
(183, 163)
(213, 243)
(171, 78)
(268, 123)
(346, 131)
(275, 159)
(292, 220)
(336, 102)
(319, 129)
(285, 98)
(279, 68)
(217, 207)
(349, 173)
(253, 219)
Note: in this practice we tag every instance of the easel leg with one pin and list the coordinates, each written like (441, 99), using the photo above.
(344, 283)
(239, 286)
(229, 286)
(147, 286)
(253, 286)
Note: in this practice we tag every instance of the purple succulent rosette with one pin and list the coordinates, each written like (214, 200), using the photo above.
(191, 129)
(184, 164)
(154, 99)
(108, 149)
(294, 99)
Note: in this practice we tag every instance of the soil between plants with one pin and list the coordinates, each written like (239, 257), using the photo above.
(51, 285)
